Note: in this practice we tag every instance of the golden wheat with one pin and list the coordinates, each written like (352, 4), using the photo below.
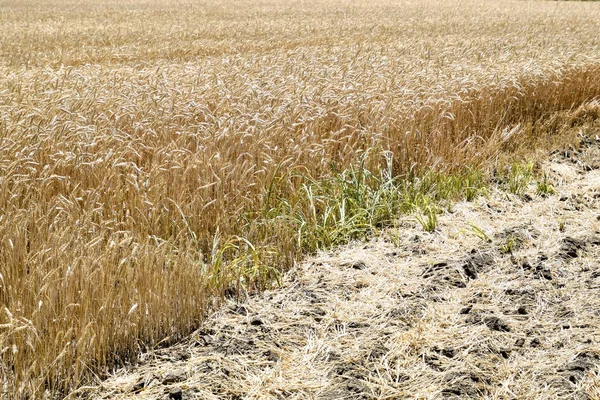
(144, 143)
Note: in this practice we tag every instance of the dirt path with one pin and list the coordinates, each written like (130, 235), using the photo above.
(417, 315)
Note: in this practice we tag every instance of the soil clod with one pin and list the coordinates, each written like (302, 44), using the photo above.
(176, 394)
(174, 377)
(496, 324)
(582, 363)
(543, 272)
(571, 247)
(139, 385)
(462, 385)
(470, 271)
(271, 356)
(465, 310)
(359, 265)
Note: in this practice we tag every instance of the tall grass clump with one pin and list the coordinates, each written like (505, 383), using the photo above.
(157, 156)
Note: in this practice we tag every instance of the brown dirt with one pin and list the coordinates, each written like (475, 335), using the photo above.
(416, 315)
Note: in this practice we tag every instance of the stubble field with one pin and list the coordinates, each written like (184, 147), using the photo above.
(158, 155)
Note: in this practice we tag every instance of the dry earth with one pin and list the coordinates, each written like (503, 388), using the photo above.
(417, 315)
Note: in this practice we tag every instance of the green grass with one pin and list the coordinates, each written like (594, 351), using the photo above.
(477, 231)
(544, 188)
(518, 178)
(355, 203)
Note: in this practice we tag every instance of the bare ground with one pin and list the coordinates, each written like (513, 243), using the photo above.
(417, 315)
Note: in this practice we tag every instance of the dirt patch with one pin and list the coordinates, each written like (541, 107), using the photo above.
(430, 316)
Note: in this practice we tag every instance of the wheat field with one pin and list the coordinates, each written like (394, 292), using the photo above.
(156, 155)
